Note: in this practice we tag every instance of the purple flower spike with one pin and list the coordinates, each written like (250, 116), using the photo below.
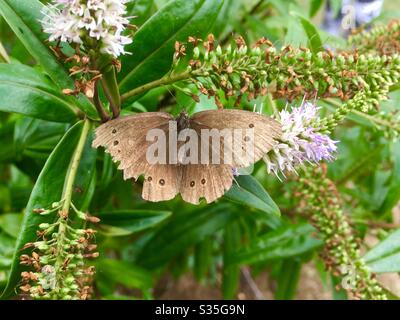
(299, 143)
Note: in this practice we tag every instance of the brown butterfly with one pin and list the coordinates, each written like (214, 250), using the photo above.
(126, 139)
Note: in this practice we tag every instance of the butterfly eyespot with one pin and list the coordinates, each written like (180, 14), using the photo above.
(246, 138)
(192, 184)
(161, 182)
(116, 142)
(114, 131)
(203, 181)
(251, 125)
(149, 179)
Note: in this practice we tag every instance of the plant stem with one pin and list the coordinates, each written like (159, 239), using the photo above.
(99, 106)
(67, 196)
(73, 170)
(157, 83)
(114, 108)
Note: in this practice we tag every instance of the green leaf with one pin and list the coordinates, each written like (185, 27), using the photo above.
(336, 6)
(153, 46)
(314, 38)
(141, 9)
(24, 19)
(125, 273)
(7, 244)
(249, 192)
(288, 279)
(183, 231)
(284, 242)
(23, 90)
(393, 194)
(385, 256)
(37, 138)
(10, 223)
(231, 272)
(126, 222)
(315, 6)
(227, 12)
(48, 189)
(202, 258)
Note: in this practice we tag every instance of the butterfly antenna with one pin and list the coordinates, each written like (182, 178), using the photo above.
(287, 104)
(183, 108)
(315, 97)
(303, 101)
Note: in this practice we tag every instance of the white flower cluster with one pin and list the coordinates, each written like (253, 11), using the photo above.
(300, 142)
(75, 21)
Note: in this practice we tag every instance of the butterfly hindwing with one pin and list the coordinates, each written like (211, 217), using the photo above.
(161, 182)
(205, 181)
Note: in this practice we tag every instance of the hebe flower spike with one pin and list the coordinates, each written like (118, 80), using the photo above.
(94, 23)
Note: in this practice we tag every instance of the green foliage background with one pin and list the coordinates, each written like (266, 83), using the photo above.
(256, 224)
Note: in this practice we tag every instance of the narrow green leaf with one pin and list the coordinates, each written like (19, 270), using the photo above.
(24, 19)
(202, 258)
(315, 5)
(141, 9)
(336, 6)
(183, 231)
(231, 272)
(389, 263)
(7, 244)
(385, 256)
(284, 242)
(393, 194)
(23, 90)
(153, 46)
(125, 273)
(37, 138)
(314, 38)
(389, 246)
(288, 279)
(224, 19)
(10, 223)
(126, 222)
(249, 192)
(48, 189)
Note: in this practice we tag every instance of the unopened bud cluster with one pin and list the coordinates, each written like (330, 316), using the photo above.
(380, 40)
(389, 124)
(363, 101)
(292, 73)
(56, 261)
(321, 199)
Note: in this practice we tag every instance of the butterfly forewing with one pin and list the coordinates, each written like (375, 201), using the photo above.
(125, 139)
(250, 130)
